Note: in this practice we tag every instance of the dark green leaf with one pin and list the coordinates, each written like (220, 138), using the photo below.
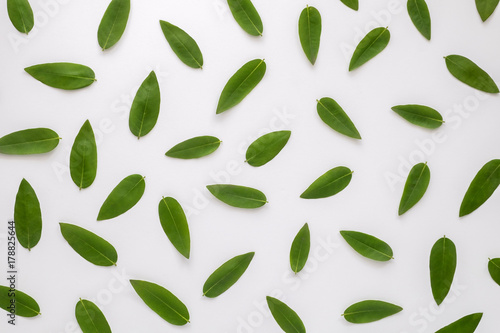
(415, 187)
(300, 249)
(286, 318)
(90, 318)
(28, 216)
(113, 23)
(467, 324)
(63, 75)
(420, 115)
(469, 73)
(123, 197)
(371, 45)
(83, 158)
(174, 223)
(29, 141)
(194, 148)
(265, 148)
(247, 16)
(25, 306)
(330, 183)
(183, 45)
(310, 32)
(238, 196)
(368, 246)
(334, 116)
(494, 269)
(370, 311)
(486, 8)
(145, 107)
(21, 15)
(442, 264)
(420, 16)
(353, 4)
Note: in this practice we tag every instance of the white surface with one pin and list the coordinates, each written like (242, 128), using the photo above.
(409, 70)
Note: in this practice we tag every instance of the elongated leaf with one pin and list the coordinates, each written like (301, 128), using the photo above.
(123, 197)
(481, 188)
(174, 223)
(370, 311)
(328, 184)
(287, 319)
(353, 4)
(63, 75)
(415, 187)
(442, 264)
(113, 23)
(420, 16)
(300, 249)
(25, 305)
(471, 74)
(467, 324)
(90, 318)
(226, 275)
(238, 196)
(371, 45)
(368, 246)
(194, 148)
(28, 216)
(494, 269)
(241, 84)
(265, 148)
(334, 116)
(83, 158)
(183, 45)
(486, 8)
(21, 15)
(29, 141)
(145, 107)
(420, 115)
(247, 16)
(310, 32)
(88, 245)
(162, 301)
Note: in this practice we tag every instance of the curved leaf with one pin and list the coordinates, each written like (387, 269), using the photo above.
(238, 196)
(195, 147)
(145, 107)
(419, 115)
(420, 16)
(28, 216)
(494, 269)
(113, 23)
(183, 45)
(353, 4)
(368, 246)
(334, 116)
(123, 197)
(328, 184)
(370, 311)
(21, 15)
(310, 32)
(415, 187)
(226, 275)
(29, 141)
(371, 45)
(443, 263)
(265, 148)
(300, 249)
(467, 324)
(247, 16)
(486, 8)
(63, 75)
(174, 223)
(83, 158)
(90, 318)
(469, 73)
(25, 305)
(286, 318)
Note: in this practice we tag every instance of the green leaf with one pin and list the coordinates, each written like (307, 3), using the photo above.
(334, 116)
(183, 45)
(63, 75)
(226, 275)
(419, 115)
(300, 249)
(241, 84)
(162, 301)
(21, 15)
(368, 246)
(29, 141)
(371, 45)
(328, 184)
(494, 269)
(90, 318)
(195, 147)
(415, 187)
(25, 306)
(123, 197)
(310, 32)
(88, 245)
(286, 318)
(238, 196)
(353, 4)
(113, 23)
(145, 107)
(467, 324)
(481, 188)
(442, 264)
(174, 223)
(27, 216)
(420, 16)
(265, 148)
(247, 16)
(370, 311)
(83, 158)
(486, 8)
(469, 73)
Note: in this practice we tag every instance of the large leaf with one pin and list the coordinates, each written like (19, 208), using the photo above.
(328, 184)
(420, 115)
(247, 16)
(183, 45)
(113, 23)
(25, 305)
(286, 318)
(368, 246)
(334, 116)
(265, 148)
(467, 324)
(442, 265)
(371, 45)
(310, 32)
(300, 249)
(90, 318)
(370, 311)
(21, 15)
(63, 75)
(174, 223)
(415, 187)
(420, 16)
(486, 8)
(145, 107)
(195, 147)
(123, 197)
(471, 74)
(83, 158)
(29, 141)
(238, 196)
(28, 216)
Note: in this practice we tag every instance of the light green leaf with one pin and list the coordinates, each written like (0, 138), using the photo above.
(415, 187)
(265, 148)
(471, 74)
(300, 249)
(353, 4)
(368, 246)
(247, 16)
(195, 147)
(420, 115)
(371, 45)
(287, 319)
(27, 216)
(486, 8)
(25, 305)
(328, 184)
(370, 311)
(123, 197)
(467, 324)
(442, 264)
(183, 45)
(113, 23)
(83, 157)
(334, 116)
(90, 318)
(420, 16)
(21, 15)
(174, 223)
(145, 107)
(310, 32)
(29, 141)
(238, 196)
(63, 75)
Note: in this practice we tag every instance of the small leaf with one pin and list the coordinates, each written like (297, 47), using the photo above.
(371, 45)
(28, 216)
(265, 148)
(469, 73)
(368, 245)
(370, 311)
(183, 45)
(113, 23)
(486, 8)
(88, 245)
(90, 318)
(310, 32)
(174, 223)
(238, 196)
(162, 301)
(247, 16)
(63, 75)
(415, 187)
(467, 324)
(443, 262)
(195, 147)
(300, 249)
(29, 141)
(123, 197)
(241, 84)
(494, 269)
(21, 15)
(25, 306)
(334, 116)
(420, 16)
(420, 115)
(83, 158)
(226, 275)
(353, 4)
(286, 318)
(481, 188)
(145, 107)
(330, 183)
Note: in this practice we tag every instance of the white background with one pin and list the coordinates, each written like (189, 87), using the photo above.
(409, 70)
